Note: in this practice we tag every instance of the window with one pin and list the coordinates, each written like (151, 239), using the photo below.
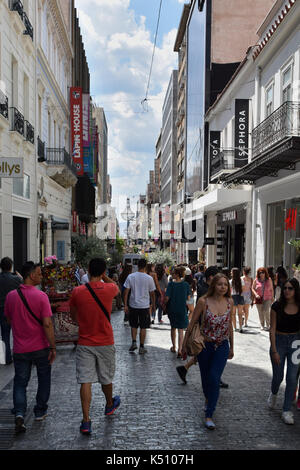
(287, 80)
(269, 100)
(21, 186)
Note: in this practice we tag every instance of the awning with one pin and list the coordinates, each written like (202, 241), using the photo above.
(59, 224)
(284, 155)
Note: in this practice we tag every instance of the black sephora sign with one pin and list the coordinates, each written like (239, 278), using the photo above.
(241, 142)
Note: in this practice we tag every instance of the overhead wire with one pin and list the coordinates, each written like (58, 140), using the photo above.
(144, 101)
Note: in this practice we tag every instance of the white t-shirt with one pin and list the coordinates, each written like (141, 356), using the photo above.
(141, 284)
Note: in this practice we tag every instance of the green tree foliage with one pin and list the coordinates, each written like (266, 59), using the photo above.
(161, 257)
(86, 249)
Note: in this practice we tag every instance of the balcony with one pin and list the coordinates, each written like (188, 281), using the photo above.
(275, 145)
(61, 167)
(17, 6)
(222, 164)
(3, 105)
(16, 121)
(29, 132)
(41, 150)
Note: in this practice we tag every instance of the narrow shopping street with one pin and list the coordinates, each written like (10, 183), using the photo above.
(157, 410)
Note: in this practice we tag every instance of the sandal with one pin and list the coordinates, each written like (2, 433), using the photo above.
(172, 349)
(179, 356)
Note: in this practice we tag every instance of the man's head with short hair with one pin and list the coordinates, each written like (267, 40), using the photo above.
(142, 264)
(31, 273)
(210, 272)
(201, 268)
(97, 267)
(6, 264)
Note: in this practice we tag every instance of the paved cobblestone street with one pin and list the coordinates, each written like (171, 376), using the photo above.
(157, 410)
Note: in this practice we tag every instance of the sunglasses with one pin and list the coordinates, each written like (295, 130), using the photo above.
(261, 272)
(288, 288)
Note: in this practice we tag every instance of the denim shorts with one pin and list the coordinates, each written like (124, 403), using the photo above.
(238, 300)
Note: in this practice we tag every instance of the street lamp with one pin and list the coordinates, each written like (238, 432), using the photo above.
(128, 216)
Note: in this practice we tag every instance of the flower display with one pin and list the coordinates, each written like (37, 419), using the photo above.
(50, 259)
(58, 280)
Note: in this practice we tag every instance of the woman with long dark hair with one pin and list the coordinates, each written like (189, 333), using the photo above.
(284, 334)
(237, 285)
(215, 309)
(281, 277)
(150, 270)
(263, 292)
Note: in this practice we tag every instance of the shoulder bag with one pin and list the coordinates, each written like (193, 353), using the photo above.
(195, 340)
(27, 306)
(98, 301)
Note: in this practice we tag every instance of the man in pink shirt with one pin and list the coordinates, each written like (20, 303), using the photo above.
(28, 311)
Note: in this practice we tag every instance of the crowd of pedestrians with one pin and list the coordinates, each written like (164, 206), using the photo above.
(218, 300)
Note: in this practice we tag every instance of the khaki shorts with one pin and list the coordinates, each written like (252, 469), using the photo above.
(95, 364)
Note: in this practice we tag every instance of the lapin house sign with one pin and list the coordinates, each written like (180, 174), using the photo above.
(241, 133)
(76, 128)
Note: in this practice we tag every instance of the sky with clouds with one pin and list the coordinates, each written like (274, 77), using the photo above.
(119, 36)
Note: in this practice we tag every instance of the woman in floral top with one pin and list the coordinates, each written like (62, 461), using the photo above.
(217, 307)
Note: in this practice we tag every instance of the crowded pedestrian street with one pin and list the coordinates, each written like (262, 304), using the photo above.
(158, 411)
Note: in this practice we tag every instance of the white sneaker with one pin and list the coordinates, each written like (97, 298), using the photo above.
(272, 401)
(288, 417)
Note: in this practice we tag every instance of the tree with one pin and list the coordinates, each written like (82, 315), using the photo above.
(161, 257)
(86, 249)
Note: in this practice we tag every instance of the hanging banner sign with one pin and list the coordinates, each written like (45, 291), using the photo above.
(76, 119)
(241, 139)
(215, 150)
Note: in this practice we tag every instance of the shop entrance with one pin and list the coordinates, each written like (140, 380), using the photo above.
(20, 242)
(234, 249)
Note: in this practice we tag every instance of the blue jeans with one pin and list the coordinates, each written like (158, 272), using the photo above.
(212, 361)
(285, 350)
(23, 364)
(5, 334)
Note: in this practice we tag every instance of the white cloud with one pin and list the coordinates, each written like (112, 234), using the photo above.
(119, 50)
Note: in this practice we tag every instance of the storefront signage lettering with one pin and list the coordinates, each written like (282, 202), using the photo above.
(230, 215)
(11, 167)
(215, 144)
(291, 220)
(76, 128)
(241, 132)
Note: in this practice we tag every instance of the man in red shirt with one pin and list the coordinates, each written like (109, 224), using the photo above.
(95, 355)
(34, 342)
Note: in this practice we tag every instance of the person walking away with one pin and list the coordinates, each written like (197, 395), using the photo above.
(237, 284)
(193, 287)
(178, 292)
(151, 272)
(200, 279)
(163, 284)
(91, 306)
(284, 334)
(280, 278)
(123, 276)
(216, 307)
(263, 292)
(247, 293)
(8, 282)
(28, 311)
(142, 288)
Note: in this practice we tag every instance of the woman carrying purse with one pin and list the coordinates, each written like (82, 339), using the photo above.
(217, 307)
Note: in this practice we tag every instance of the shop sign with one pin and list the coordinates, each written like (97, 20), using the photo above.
(241, 140)
(209, 241)
(215, 144)
(11, 167)
(76, 128)
(291, 220)
(230, 215)
(74, 222)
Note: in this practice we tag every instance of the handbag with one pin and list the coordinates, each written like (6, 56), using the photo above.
(195, 340)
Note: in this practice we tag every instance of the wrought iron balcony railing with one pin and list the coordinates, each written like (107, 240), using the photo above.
(17, 5)
(284, 122)
(29, 132)
(59, 156)
(41, 150)
(16, 121)
(3, 105)
(224, 161)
